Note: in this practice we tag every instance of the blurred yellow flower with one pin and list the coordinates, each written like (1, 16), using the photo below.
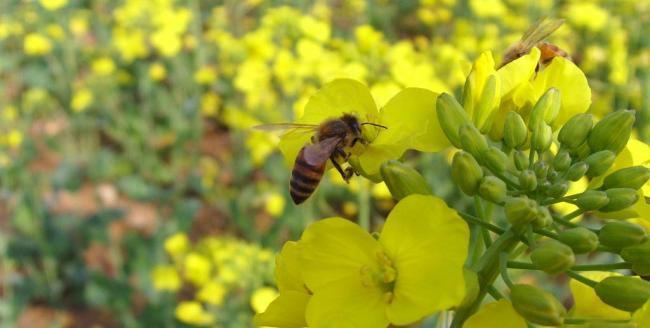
(157, 71)
(496, 314)
(210, 103)
(53, 4)
(177, 244)
(262, 297)
(9, 113)
(212, 293)
(36, 44)
(167, 42)
(55, 31)
(588, 304)
(193, 313)
(587, 15)
(14, 138)
(165, 277)
(274, 204)
(130, 43)
(81, 99)
(197, 268)
(78, 25)
(103, 66)
(205, 75)
(488, 8)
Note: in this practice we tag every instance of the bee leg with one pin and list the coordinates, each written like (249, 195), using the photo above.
(344, 175)
(350, 171)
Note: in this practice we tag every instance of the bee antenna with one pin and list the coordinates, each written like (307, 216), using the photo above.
(374, 124)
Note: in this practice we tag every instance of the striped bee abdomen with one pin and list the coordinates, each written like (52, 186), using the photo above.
(304, 178)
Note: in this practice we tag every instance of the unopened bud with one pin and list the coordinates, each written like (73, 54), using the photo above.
(623, 292)
(451, 116)
(599, 162)
(536, 305)
(492, 189)
(580, 239)
(546, 108)
(543, 218)
(552, 257)
(542, 137)
(514, 130)
(553, 176)
(558, 189)
(520, 211)
(620, 199)
(466, 172)
(612, 132)
(495, 160)
(591, 200)
(402, 180)
(577, 171)
(472, 140)
(639, 256)
(521, 160)
(621, 234)
(485, 109)
(527, 180)
(541, 170)
(562, 160)
(575, 130)
(633, 177)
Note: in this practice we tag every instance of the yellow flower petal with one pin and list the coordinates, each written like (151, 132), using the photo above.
(262, 297)
(286, 311)
(642, 316)
(428, 280)
(335, 249)
(564, 75)
(287, 269)
(496, 314)
(588, 304)
(518, 71)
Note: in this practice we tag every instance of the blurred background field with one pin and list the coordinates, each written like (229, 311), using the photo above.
(133, 191)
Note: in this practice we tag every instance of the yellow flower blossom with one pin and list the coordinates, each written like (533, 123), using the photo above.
(488, 8)
(642, 316)
(53, 4)
(587, 15)
(197, 268)
(55, 31)
(210, 103)
(165, 277)
(157, 71)
(193, 313)
(496, 314)
(131, 44)
(78, 25)
(9, 113)
(103, 66)
(14, 138)
(177, 244)
(167, 42)
(81, 99)
(205, 75)
(212, 293)
(274, 204)
(262, 297)
(36, 44)
(588, 304)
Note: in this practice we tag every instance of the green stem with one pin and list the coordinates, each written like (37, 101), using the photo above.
(602, 267)
(487, 270)
(474, 220)
(582, 279)
(558, 200)
(503, 266)
(481, 215)
(522, 265)
(580, 321)
(364, 205)
(494, 292)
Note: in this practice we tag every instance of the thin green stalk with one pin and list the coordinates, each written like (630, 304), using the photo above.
(580, 321)
(602, 267)
(582, 278)
(364, 205)
(474, 220)
(494, 292)
(481, 214)
(503, 266)
(522, 265)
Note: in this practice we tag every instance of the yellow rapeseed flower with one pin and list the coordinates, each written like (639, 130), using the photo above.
(212, 292)
(53, 4)
(55, 31)
(496, 314)
(274, 204)
(588, 304)
(14, 138)
(210, 103)
(167, 42)
(177, 245)
(193, 313)
(165, 277)
(197, 268)
(81, 99)
(157, 71)
(205, 75)
(262, 297)
(642, 316)
(9, 113)
(103, 66)
(36, 44)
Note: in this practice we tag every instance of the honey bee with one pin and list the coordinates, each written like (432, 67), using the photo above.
(330, 141)
(533, 38)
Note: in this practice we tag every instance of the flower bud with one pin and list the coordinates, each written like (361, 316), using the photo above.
(543, 186)
(543, 218)
(514, 130)
(521, 160)
(520, 211)
(619, 199)
(552, 257)
(472, 140)
(633, 177)
(466, 98)
(485, 109)
(541, 170)
(466, 172)
(623, 292)
(402, 180)
(495, 160)
(527, 180)
(492, 189)
(562, 160)
(612, 132)
(546, 109)
(451, 116)
(553, 176)
(580, 239)
(536, 305)
(576, 171)
(542, 137)
(558, 189)
(591, 200)
(639, 256)
(599, 162)
(621, 234)
(575, 130)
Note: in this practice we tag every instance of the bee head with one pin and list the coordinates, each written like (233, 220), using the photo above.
(353, 123)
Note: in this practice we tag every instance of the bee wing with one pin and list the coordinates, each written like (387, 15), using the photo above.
(539, 31)
(285, 126)
(318, 153)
